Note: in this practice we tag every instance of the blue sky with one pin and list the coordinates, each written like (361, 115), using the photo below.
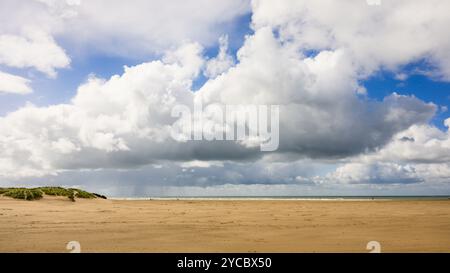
(420, 86)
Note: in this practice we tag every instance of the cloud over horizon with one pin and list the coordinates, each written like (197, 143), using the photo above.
(310, 62)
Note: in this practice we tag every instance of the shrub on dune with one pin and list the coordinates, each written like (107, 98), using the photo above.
(37, 193)
(23, 193)
(82, 194)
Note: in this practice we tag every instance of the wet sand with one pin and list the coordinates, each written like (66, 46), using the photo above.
(223, 226)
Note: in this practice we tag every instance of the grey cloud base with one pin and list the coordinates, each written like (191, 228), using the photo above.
(125, 122)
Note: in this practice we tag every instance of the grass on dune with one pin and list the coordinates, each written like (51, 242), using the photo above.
(23, 193)
(38, 193)
(71, 192)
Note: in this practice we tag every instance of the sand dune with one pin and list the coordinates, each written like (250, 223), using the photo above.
(223, 226)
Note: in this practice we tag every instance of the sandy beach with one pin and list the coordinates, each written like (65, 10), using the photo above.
(223, 226)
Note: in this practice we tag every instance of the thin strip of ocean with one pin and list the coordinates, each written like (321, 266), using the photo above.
(319, 198)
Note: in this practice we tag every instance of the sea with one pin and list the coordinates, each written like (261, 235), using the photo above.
(311, 198)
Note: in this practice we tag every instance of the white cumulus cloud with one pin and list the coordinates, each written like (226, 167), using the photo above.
(14, 84)
(34, 49)
(386, 36)
(222, 62)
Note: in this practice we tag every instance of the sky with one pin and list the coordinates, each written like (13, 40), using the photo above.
(87, 89)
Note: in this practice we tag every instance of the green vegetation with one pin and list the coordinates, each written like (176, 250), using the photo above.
(23, 193)
(55, 191)
(82, 194)
(38, 193)
(70, 193)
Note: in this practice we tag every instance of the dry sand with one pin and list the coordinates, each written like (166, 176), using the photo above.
(223, 226)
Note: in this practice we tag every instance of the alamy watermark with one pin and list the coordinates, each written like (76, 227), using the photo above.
(250, 125)
(74, 247)
(374, 247)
